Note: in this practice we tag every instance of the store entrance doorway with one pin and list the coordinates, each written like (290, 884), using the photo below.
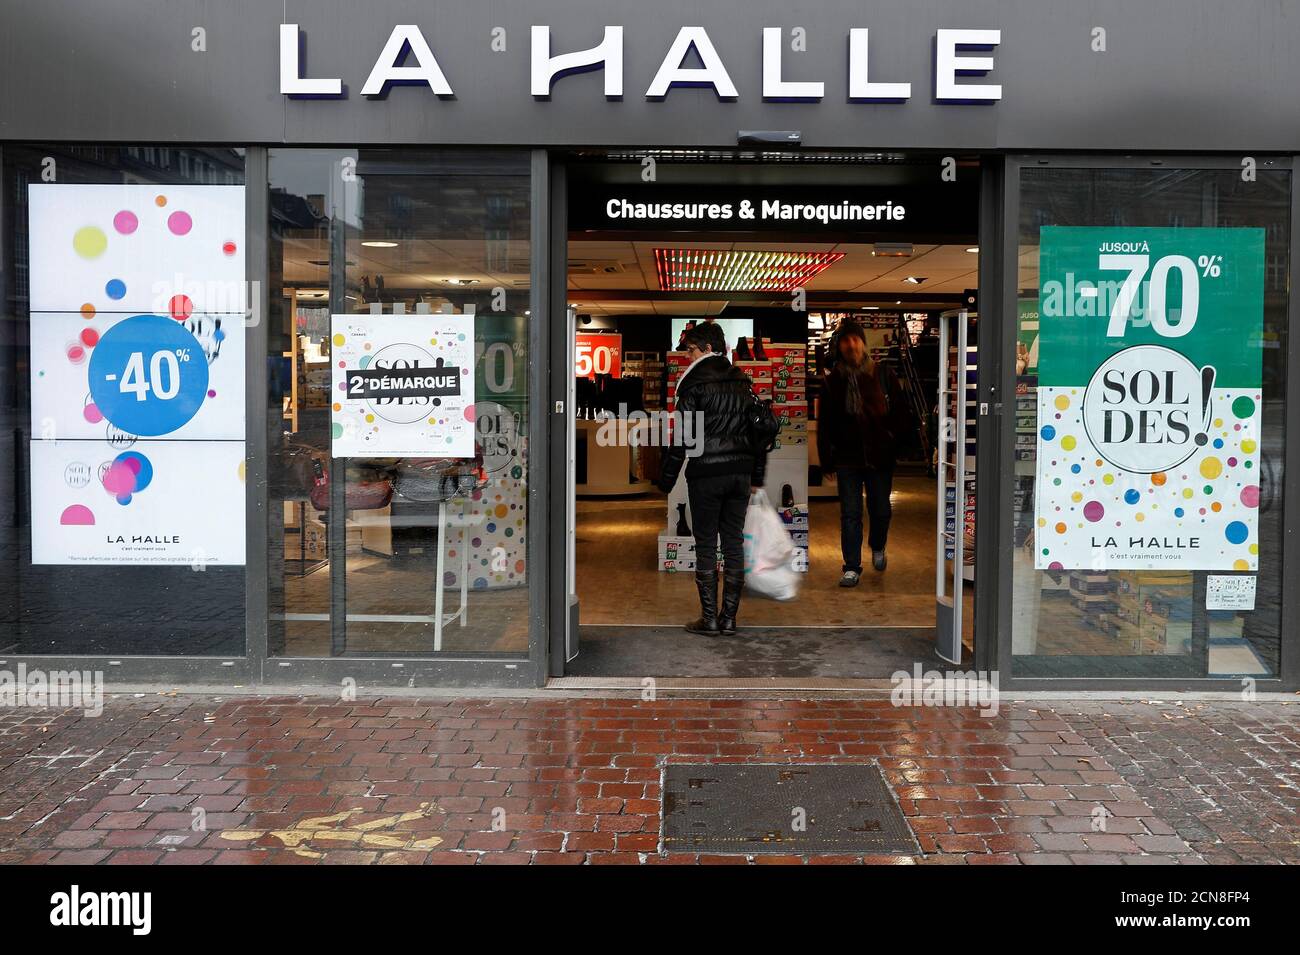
(868, 246)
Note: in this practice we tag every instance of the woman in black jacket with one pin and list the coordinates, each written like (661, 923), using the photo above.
(711, 428)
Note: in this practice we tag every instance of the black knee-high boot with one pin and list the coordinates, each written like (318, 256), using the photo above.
(733, 581)
(706, 582)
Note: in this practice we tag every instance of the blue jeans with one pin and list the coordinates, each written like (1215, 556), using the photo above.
(877, 484)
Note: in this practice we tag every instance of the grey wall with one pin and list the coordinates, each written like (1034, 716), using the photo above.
(1179, 74)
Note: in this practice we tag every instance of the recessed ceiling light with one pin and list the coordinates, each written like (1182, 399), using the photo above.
(378, 244)
(716, 270)
(900, 249)
(461, 281)
(915, 279)
(973, 248)
(871, 308)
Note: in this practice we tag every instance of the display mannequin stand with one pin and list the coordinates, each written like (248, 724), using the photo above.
(462, 612)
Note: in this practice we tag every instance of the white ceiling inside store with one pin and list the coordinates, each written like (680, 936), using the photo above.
(425, 264)
(596, 266)
(628, 266)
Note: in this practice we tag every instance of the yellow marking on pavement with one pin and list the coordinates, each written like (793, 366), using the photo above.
(331, 830)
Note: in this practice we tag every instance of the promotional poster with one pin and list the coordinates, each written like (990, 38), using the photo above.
(1149, 395)
(403, 385)
(137, 374)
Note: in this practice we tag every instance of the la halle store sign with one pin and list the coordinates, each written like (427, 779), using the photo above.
(407, 59)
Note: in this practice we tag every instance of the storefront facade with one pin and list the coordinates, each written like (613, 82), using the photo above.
(226, 188)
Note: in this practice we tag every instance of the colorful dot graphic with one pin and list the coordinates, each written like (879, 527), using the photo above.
(89, 242)
(1209, 493)
(180, 307)
(129, 474)
(126, 222)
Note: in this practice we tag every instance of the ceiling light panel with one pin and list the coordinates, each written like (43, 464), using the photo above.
(717, 270)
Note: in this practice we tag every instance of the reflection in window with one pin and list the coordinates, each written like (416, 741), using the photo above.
(385, 264)
(1201, 597)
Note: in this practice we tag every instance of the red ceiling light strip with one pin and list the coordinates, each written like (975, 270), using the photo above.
(719, 270)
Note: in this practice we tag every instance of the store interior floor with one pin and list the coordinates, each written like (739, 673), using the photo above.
(632, 614)
(390, 605)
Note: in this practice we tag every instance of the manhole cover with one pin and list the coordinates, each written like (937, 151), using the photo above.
(782, 808)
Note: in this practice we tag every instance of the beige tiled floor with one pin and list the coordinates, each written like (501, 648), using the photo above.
(618, 580)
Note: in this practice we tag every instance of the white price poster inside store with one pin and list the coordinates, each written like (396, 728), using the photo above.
(403, 385)
(137, 373)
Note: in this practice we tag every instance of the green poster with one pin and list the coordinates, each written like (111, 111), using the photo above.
(501, 359)
(1149, 373)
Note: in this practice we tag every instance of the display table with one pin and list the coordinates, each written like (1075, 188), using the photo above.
(611, 463)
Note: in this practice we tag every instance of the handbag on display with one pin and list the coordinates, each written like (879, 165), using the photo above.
(300, 465)
(370, 491)
(433, 480)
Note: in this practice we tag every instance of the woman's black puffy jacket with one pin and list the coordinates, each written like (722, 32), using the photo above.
(713, 397)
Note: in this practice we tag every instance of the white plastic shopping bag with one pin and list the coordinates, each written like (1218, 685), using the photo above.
(769, 552)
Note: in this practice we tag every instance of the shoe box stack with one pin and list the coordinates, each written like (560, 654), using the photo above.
(677, 362)
(787, 464)
(677, 554)
(1152, 612)
(1026, 418)
(790, 393)
(795, 518)
(1092, 594)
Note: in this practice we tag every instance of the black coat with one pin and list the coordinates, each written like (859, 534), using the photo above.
(717, 395)
(870, 441)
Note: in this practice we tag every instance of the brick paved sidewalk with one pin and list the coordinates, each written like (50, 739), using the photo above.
(310, 780)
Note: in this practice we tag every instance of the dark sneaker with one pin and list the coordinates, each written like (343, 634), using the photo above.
(850, 578)
(878, 559)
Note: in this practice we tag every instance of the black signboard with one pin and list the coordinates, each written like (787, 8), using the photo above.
(389, 383)
(944, 211)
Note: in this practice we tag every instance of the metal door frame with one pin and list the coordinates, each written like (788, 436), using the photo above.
(562, 611)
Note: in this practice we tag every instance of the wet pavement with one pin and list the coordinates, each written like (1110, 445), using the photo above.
(176, 779)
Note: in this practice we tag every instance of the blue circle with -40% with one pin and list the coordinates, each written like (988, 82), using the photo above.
(148, 375)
